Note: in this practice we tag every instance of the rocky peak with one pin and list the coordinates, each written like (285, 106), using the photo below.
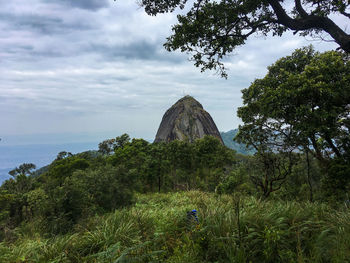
(186, 120)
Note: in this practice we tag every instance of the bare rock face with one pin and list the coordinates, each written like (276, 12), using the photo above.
(186, 120)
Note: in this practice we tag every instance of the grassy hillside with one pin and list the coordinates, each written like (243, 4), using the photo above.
(230, 229)
(228, 138)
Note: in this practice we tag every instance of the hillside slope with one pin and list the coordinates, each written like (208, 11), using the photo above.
(228, 137)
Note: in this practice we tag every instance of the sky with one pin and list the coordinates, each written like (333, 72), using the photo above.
(88, 70)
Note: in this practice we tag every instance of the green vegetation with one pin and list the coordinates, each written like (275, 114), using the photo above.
(230, 229)
(301, 105)
(128, 202)
(94, 207)
(75, 187)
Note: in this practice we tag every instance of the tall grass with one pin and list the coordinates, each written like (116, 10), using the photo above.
(230, 229)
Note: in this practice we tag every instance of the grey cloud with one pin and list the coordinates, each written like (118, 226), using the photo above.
(108, 80)
(28, 53)
(47, 53)
(17, 49)
(43, 24)
(86, 4)
(140, 50)
(121, 78)
(70, 33)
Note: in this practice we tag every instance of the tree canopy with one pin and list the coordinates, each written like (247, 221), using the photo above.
(23, 169)
(303, 102)
(211, 29)
(302, 105)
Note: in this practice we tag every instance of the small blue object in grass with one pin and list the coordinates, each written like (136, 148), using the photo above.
(192, 215)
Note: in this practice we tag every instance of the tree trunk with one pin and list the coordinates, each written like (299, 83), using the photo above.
(308, 175)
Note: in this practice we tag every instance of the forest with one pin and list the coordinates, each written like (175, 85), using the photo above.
(131, 200)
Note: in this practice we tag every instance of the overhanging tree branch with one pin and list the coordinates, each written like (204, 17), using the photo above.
(218, 27)
(307, 22)
(345, 14)
(300, 9)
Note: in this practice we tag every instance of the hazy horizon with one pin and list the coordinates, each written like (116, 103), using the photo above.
(30, 149)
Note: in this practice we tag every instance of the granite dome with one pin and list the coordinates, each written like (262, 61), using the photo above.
(186, 120)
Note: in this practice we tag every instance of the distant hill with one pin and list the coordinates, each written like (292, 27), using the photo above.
(227, 137)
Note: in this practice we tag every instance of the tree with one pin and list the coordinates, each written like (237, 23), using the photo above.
(110, 145)
(121, 141)
(211, 160)
(16, 188)
(274, 157)
(212, 29)
(63, 154)
(24, 169)
(180, 156)
(106, 147)
(157, 164)
(301, 104)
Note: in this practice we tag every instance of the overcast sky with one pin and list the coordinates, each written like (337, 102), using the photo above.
(87, 70)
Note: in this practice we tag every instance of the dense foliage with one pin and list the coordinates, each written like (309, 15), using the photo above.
(60, 214)
(301, 105)
(229, 229)
(75, 187)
